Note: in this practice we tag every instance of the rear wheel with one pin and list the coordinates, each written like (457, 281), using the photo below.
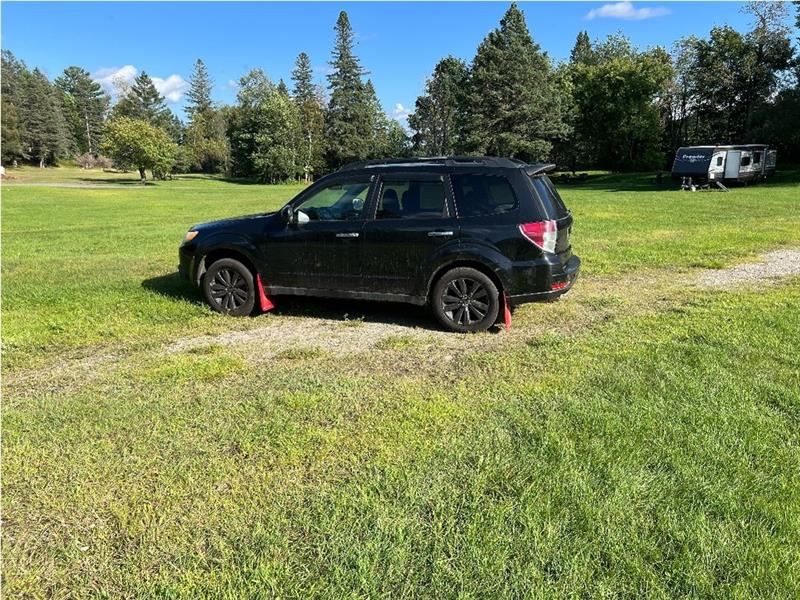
(465, 300)
(229, 287)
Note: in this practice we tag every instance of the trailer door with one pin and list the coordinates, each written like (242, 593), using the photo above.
(716, 170)
(732, 164)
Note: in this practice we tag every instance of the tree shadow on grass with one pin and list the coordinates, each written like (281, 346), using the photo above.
(128, 181)
(172, 286)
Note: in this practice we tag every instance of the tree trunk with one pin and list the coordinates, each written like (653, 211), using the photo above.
(88, 132)
(142, 175)
(41, 162)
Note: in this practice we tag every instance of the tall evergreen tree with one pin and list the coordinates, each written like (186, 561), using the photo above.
(283, 88)
(205, 146)
(515, 107)
(85, 108)
(438, 118)
(143, 101)
(348, 123)
(582, 52)
(198, 98)
(302, 78)
(13, 130)
(46, 136)
(312, 120)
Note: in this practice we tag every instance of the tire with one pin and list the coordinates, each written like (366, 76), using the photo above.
(229, 288)
(465, 300)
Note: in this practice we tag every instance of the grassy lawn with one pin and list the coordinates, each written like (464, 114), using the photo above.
(638, 438)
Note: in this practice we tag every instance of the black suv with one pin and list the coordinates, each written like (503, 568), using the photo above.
(469, 236)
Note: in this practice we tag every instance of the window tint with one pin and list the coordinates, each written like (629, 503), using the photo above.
(547, 192)
(482, 195)
(408, 199)
(745, 161)
(342, 201)
(719, 161)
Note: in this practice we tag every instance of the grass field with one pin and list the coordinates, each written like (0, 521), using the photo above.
(638, 438)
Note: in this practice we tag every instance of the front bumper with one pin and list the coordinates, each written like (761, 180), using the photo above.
(187, 264)
(552, 284)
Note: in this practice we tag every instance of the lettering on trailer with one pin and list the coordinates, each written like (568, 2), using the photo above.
(693, 157)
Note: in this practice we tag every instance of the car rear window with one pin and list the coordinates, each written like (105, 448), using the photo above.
(478, 195)
(549, 195)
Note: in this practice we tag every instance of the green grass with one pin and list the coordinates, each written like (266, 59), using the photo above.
(639, 438)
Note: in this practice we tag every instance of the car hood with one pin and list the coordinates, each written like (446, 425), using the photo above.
(232, 222)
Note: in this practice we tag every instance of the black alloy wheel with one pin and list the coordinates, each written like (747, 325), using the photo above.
(466, 300)
(229, 287)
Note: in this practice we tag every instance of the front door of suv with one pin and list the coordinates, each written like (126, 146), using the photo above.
(413, 221)
(321, 250)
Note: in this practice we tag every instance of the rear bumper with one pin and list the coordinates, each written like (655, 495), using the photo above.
(554, 282)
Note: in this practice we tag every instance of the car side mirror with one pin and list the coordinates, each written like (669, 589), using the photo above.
(288, 214)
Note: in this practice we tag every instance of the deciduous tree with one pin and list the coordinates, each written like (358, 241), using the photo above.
(438, 119)
(135, 143)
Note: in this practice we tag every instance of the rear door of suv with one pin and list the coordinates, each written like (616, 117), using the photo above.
(555, 210)
(413, 221)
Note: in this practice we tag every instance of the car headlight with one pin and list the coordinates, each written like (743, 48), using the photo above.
(190, 235)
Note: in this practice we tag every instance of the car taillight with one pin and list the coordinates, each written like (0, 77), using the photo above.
(541, 233)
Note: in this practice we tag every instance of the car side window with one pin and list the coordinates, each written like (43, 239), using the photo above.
(340, 201)
(478, 195)
(410, 198)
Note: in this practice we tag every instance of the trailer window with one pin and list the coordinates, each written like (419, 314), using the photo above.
(745, 161)
(756, 158)
(719, 161)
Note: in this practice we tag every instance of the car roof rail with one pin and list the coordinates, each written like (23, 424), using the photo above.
(448, 161)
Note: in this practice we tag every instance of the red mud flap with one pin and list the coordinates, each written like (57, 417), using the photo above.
(506, 312)
(262, 297)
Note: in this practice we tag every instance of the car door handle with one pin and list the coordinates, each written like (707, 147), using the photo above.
(440, 233)
(349, 234)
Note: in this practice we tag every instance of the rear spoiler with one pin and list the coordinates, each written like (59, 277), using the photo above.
(539, 169)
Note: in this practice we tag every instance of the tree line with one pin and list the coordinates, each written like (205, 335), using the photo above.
(611, 105)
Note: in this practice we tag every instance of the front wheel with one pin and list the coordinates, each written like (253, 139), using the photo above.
(465, 300)
(229, 288)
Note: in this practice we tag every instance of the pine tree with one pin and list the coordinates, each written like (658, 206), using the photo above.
(142, 101)
(348, 126)
(13, 130)
(438, 118)
(85, 108)
(379, 122)
(302, 78)
(283, 88)
(312, 120)
(515, 107)
(198, 98)
(582, 52)
(46, 136)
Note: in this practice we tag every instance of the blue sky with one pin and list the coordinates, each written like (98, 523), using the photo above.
(399, 43)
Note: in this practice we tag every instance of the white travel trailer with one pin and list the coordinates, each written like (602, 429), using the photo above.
(728, 164)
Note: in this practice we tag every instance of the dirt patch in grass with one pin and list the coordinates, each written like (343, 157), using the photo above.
(324, 335)
(770, 267)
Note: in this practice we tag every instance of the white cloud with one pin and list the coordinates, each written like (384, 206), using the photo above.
(400, 112)
(626, 10)
(172, 88)
(107, 77)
